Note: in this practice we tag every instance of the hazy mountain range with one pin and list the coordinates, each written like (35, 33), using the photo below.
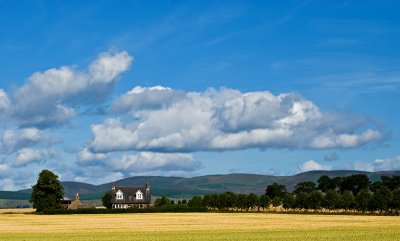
(180, 187)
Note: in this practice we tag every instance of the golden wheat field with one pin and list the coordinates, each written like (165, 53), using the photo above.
(17, 210)
(198, 226)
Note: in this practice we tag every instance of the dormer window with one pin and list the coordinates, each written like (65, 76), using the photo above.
(139, 195)
(119, 195)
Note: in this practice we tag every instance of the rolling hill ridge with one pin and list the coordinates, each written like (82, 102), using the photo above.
(179, 187)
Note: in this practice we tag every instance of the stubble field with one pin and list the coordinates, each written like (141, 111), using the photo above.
(198, 226)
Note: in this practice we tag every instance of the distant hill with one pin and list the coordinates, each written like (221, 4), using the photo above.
(179, 187)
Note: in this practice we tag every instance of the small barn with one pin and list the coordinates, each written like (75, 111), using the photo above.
(77, 204)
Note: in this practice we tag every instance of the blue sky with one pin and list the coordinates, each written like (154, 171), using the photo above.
(101, 90)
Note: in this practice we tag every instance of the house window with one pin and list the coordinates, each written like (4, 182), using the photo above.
(139, 195)
(119, 195)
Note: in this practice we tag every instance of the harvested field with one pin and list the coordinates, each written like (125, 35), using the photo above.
(198, 226)
(17, 210)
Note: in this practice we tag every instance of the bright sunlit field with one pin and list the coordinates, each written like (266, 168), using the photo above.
(198, 226)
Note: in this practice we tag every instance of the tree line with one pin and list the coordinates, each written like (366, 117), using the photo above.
(354, 193)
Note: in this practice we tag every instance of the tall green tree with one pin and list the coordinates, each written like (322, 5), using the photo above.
(276, 202)
(275, 190)
(288, 201)
(395, 203)
(331, 200)
(363, 200)
(302, 201)
(355, 183)
(196, 202)
(264, 201)
(48, 192)
(382, 198)
(106, 200)
(241, 201)
(307, 187)
(227, 200)
(347, 200)
(163, 201)
(315, 200)
(391, 182)
(325, 183)
(251, 201)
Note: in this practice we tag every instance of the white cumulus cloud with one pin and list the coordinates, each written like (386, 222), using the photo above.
(13, 140)
(27, 155)
(312, 165)
(164, 120)
(4, 100)
(7, 184)
(388, 164)
(381, 164)
(3, 168)
(150, 161)
(145, 98)
(86, 156)
(49, 98)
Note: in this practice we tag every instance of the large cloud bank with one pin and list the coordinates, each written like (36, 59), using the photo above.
(166, 120)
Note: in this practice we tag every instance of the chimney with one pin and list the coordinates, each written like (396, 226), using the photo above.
(113, 187)
(148, 196)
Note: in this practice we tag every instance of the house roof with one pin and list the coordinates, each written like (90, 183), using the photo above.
(129, 195)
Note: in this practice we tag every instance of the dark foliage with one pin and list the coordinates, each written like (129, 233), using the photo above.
(196, 202)
(164, 209)
(325, 183)
(307, 187)
(47, 193)
(106, 200)
(275, 190)
(163, 201)
(354, 183)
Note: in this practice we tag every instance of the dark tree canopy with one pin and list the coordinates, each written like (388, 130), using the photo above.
(325, 183)
(391, 182)
(163, 201)
(353, 193)
(48, 192)
(347, 200)
(331, 200)
(363, 200)
(288, 201)
(106, 200)
(276, 201)
(227, 200)
(242, 201)
(315, 200)
(275, 190)
(264, 201)
(251, 200)
(307, 187)
(382, 198)
(355, 183)
(196, 202)
(302, 201)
